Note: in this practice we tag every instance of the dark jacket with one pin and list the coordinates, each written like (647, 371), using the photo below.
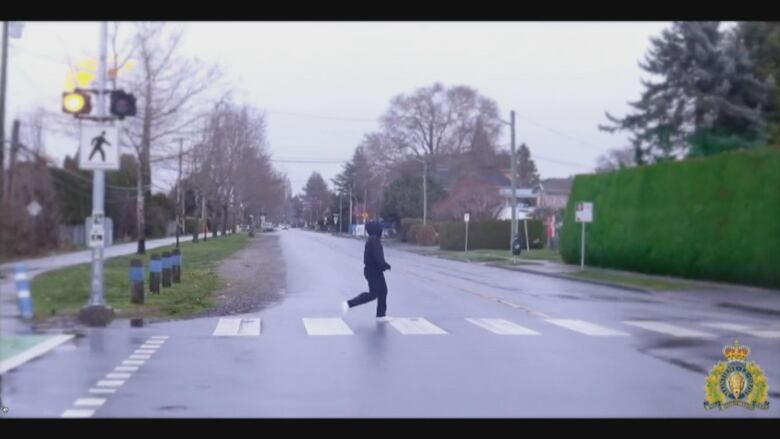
(373, 254)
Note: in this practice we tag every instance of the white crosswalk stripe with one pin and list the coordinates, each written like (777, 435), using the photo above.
(502, 327)
(667, 328)
(415, 326)
(237, 327)
(586, 328)
(326, 326)
(743, 329)
(77, 413)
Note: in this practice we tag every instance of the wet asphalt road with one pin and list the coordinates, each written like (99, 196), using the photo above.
(583, 359)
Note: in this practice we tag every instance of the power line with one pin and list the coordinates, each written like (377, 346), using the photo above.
(562, 134)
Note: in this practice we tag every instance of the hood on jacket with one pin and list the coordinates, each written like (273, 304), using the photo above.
(374, 229)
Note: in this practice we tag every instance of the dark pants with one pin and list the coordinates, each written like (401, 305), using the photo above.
(377, 289)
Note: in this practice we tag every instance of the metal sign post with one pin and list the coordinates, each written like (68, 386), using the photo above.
(466, 219)
(96, 312)
(583, 214)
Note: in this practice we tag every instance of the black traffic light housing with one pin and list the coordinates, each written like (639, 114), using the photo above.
(122, 104)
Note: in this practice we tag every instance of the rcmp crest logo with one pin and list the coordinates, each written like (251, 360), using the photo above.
(736, 382)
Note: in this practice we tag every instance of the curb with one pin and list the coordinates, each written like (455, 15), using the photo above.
(575, 279)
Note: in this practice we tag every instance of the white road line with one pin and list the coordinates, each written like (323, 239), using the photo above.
(149, 346)
(144, 351)
(35, 351)
(586, 328)
(77, 414)
(155, 342)
(227, 327)
(117, 376)
(743, 329)
(667, 328)
(89, 402)
(139, 357)
(110, 383)
(159, 337)
(415, 326)
(249, 327)
(502, 327)
(101, 390)
(126, 368)
(133, 362)
(326, 326)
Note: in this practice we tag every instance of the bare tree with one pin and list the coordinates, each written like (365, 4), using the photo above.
(616, 159)
(167, 86)
(436, 120)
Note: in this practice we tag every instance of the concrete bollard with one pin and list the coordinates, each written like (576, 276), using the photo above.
(176, 268)
(166, 269)
(23, 291)
(136, 281)
(155, 271)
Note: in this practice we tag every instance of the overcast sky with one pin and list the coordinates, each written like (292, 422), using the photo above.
(323, 85)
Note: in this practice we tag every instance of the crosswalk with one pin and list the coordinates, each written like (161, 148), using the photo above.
(334, 326)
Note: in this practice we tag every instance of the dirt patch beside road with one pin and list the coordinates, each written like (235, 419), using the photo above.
(254, 278)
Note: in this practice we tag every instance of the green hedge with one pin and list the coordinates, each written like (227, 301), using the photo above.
(406, 226)
(423, 234)
(716, 218)
(490, 234)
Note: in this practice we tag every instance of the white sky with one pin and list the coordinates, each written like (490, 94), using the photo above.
(559, 77)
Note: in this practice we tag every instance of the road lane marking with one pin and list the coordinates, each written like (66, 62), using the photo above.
(116, 376)
(502, 327)
(126, 368)
(101, 390)
(133, 362)
(77, 413)
(249, 327)
(89, 402)
(149, 346)
(139, 357)
(416, 326)
(744, 329)
(586, 328)
(110, 383)
(155, 342)
(667, 328)
(144, 351)
(159, 337)
(227, 327)
(326, 326)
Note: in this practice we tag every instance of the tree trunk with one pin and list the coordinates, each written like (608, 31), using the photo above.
(139, 214)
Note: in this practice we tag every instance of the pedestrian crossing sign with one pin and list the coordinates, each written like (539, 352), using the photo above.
(99, 147)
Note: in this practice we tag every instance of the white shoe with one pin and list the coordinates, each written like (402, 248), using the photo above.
(344, 307)
(384, 319)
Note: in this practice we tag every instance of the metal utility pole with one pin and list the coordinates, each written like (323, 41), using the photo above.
(514, 181)
(12, 158)
(180, 198)
(425, 189)
(97, 313)
(365, 203)
(2, 107)
(350, 210)
(341, 222)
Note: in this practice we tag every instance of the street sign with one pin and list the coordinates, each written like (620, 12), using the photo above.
(466, 217)
(99, 148)
(584, 212)
(97, 231)
(34, 208)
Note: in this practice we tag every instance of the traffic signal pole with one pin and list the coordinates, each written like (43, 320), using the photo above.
(96, 312)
